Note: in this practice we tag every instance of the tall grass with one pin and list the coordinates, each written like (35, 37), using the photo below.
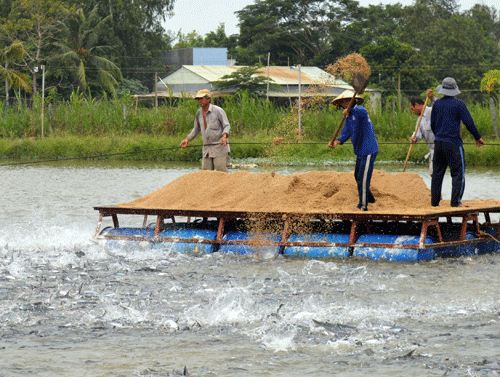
(166, 148)
(248, 115)
(93, 126)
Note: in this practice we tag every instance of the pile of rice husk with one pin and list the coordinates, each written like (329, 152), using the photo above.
(301, 193)
(349, 66)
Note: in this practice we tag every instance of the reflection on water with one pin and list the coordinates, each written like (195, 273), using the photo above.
(69, 305)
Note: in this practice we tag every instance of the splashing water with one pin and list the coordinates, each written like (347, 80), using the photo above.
(70, 304)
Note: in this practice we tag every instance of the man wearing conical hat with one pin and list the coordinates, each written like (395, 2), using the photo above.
(212, 122)
(359, 128)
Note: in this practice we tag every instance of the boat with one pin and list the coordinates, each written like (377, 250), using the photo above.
(387, 236)
(308, 215)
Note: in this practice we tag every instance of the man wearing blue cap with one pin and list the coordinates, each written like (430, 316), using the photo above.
(447, 114)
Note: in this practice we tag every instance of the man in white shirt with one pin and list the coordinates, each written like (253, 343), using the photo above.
(424, 131)
(211, 121)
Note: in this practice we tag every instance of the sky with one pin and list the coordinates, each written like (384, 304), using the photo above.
(206, 15)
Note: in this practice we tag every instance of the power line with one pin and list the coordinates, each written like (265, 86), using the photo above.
(269, 143)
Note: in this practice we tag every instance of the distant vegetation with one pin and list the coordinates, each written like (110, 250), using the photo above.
(97, 47)
(95, 54)
(84, 127)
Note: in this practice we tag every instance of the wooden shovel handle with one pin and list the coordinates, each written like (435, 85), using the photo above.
(417, 127)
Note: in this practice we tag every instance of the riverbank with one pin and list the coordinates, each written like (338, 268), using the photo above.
(166, 148)
(114, 129)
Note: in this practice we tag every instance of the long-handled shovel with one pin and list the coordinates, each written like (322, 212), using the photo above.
(417, 127)
(359, 84)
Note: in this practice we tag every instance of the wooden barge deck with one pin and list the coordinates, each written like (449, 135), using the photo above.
(436, 220)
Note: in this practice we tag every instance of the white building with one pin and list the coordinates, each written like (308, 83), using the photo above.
(313, 81)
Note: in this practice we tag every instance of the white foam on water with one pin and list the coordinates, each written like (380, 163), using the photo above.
(265, 253)
(42, 231)
(341, 345)
(124, 314)
(382, 288)
(110, 311)
(319, 269)
(145, 253)
(280, 342)
(169, 324)
(224, 306)
(175, 288)
(16, 268)
(402, 276)
(311, 308)
(285, 278)
(401, 239)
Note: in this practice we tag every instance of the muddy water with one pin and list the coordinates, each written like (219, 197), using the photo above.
(71, 307)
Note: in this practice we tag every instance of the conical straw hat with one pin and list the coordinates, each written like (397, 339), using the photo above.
(347, 94)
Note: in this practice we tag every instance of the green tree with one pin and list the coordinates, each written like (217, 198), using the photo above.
(296, 31)
(83, 57)
(218, 38)
(13, 78)
(488, 18)
(136, 31)
(393, 64)
(462, 45)
(462, 50)
(191, 39)
(37, 23)
(245, 79)
(425, 42)
(5, 6)
(370, 24)
(490, 84)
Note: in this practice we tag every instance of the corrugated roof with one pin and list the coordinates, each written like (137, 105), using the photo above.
(272, 93)
(186, 80)
(211, 72)
(280, 75)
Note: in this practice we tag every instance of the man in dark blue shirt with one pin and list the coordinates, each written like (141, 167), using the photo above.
(359, 128)
(447, 114)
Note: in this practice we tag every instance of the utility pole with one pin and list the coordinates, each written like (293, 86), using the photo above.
(43, 99)
(156, 91)
(7, 87)
(300, 99)
(399, 91)
(288, 88)
(268, 60)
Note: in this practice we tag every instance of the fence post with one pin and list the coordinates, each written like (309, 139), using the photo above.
(156, 90)
(300, 99)
(43, 98)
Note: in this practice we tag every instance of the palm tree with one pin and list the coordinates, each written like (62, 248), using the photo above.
(9, 56)
(83, 56)
(490, 84)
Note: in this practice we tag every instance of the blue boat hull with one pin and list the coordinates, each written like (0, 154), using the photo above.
(318, 251)
(201, 238)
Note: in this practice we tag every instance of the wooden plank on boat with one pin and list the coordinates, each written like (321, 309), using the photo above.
(354, 215)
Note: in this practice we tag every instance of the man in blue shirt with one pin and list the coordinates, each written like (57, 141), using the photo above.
(447, 114)
(359, 128)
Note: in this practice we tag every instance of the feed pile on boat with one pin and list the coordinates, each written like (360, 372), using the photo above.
(312, 214)
(310, 192)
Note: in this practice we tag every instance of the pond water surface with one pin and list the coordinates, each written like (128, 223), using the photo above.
(72, 307)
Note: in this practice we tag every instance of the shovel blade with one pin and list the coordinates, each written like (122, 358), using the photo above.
(359, 82)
